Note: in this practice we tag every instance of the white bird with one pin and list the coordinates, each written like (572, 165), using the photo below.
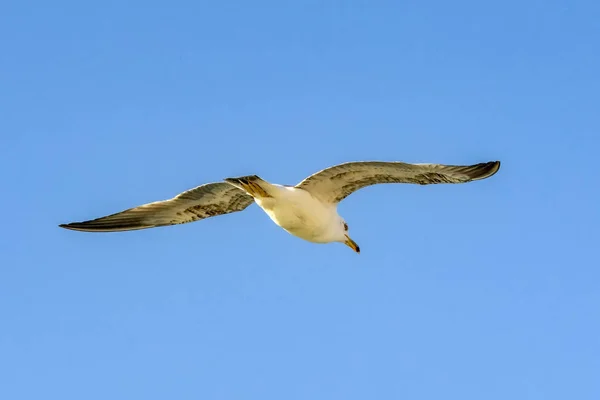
(307, 210)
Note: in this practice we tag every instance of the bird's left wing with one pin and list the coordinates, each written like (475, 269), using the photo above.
(204, 201)
(334, 184)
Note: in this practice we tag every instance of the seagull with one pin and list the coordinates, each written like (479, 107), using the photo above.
(307, 210)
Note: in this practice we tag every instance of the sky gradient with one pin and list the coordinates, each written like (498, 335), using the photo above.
(487, 290)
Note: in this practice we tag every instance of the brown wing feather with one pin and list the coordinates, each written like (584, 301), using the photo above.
(334, 184)
(204, 201)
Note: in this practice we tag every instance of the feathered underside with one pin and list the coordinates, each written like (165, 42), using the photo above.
(202, 202)
(334, 184)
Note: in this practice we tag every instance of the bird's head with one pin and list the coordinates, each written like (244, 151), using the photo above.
(344, 237)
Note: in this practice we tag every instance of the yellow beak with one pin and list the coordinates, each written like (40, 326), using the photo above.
(352, 244)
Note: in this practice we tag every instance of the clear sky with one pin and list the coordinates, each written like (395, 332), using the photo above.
(488, 290)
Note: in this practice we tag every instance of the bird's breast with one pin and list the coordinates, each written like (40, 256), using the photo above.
(299, 214)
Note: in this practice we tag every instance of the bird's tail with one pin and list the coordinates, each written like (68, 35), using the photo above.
(251, 184)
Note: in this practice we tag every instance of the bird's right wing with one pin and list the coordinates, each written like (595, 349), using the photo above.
(204, 201)
(334, 184)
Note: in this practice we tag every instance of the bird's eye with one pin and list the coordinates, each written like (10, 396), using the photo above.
(345, 226)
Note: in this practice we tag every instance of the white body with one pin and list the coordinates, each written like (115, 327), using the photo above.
(299, 213)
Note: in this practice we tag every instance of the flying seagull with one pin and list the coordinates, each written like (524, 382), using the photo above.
(307, 210)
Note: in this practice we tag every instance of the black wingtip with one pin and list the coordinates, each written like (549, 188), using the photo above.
(486, 170)
(72, 226)
(495, 167)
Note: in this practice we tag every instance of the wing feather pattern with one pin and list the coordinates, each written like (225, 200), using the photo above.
(334, 184)
(202, 202)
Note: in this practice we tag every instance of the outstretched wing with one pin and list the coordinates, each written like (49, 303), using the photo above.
(334, 184)
(201, 202)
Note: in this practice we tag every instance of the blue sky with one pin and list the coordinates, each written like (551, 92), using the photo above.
(484, 290)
